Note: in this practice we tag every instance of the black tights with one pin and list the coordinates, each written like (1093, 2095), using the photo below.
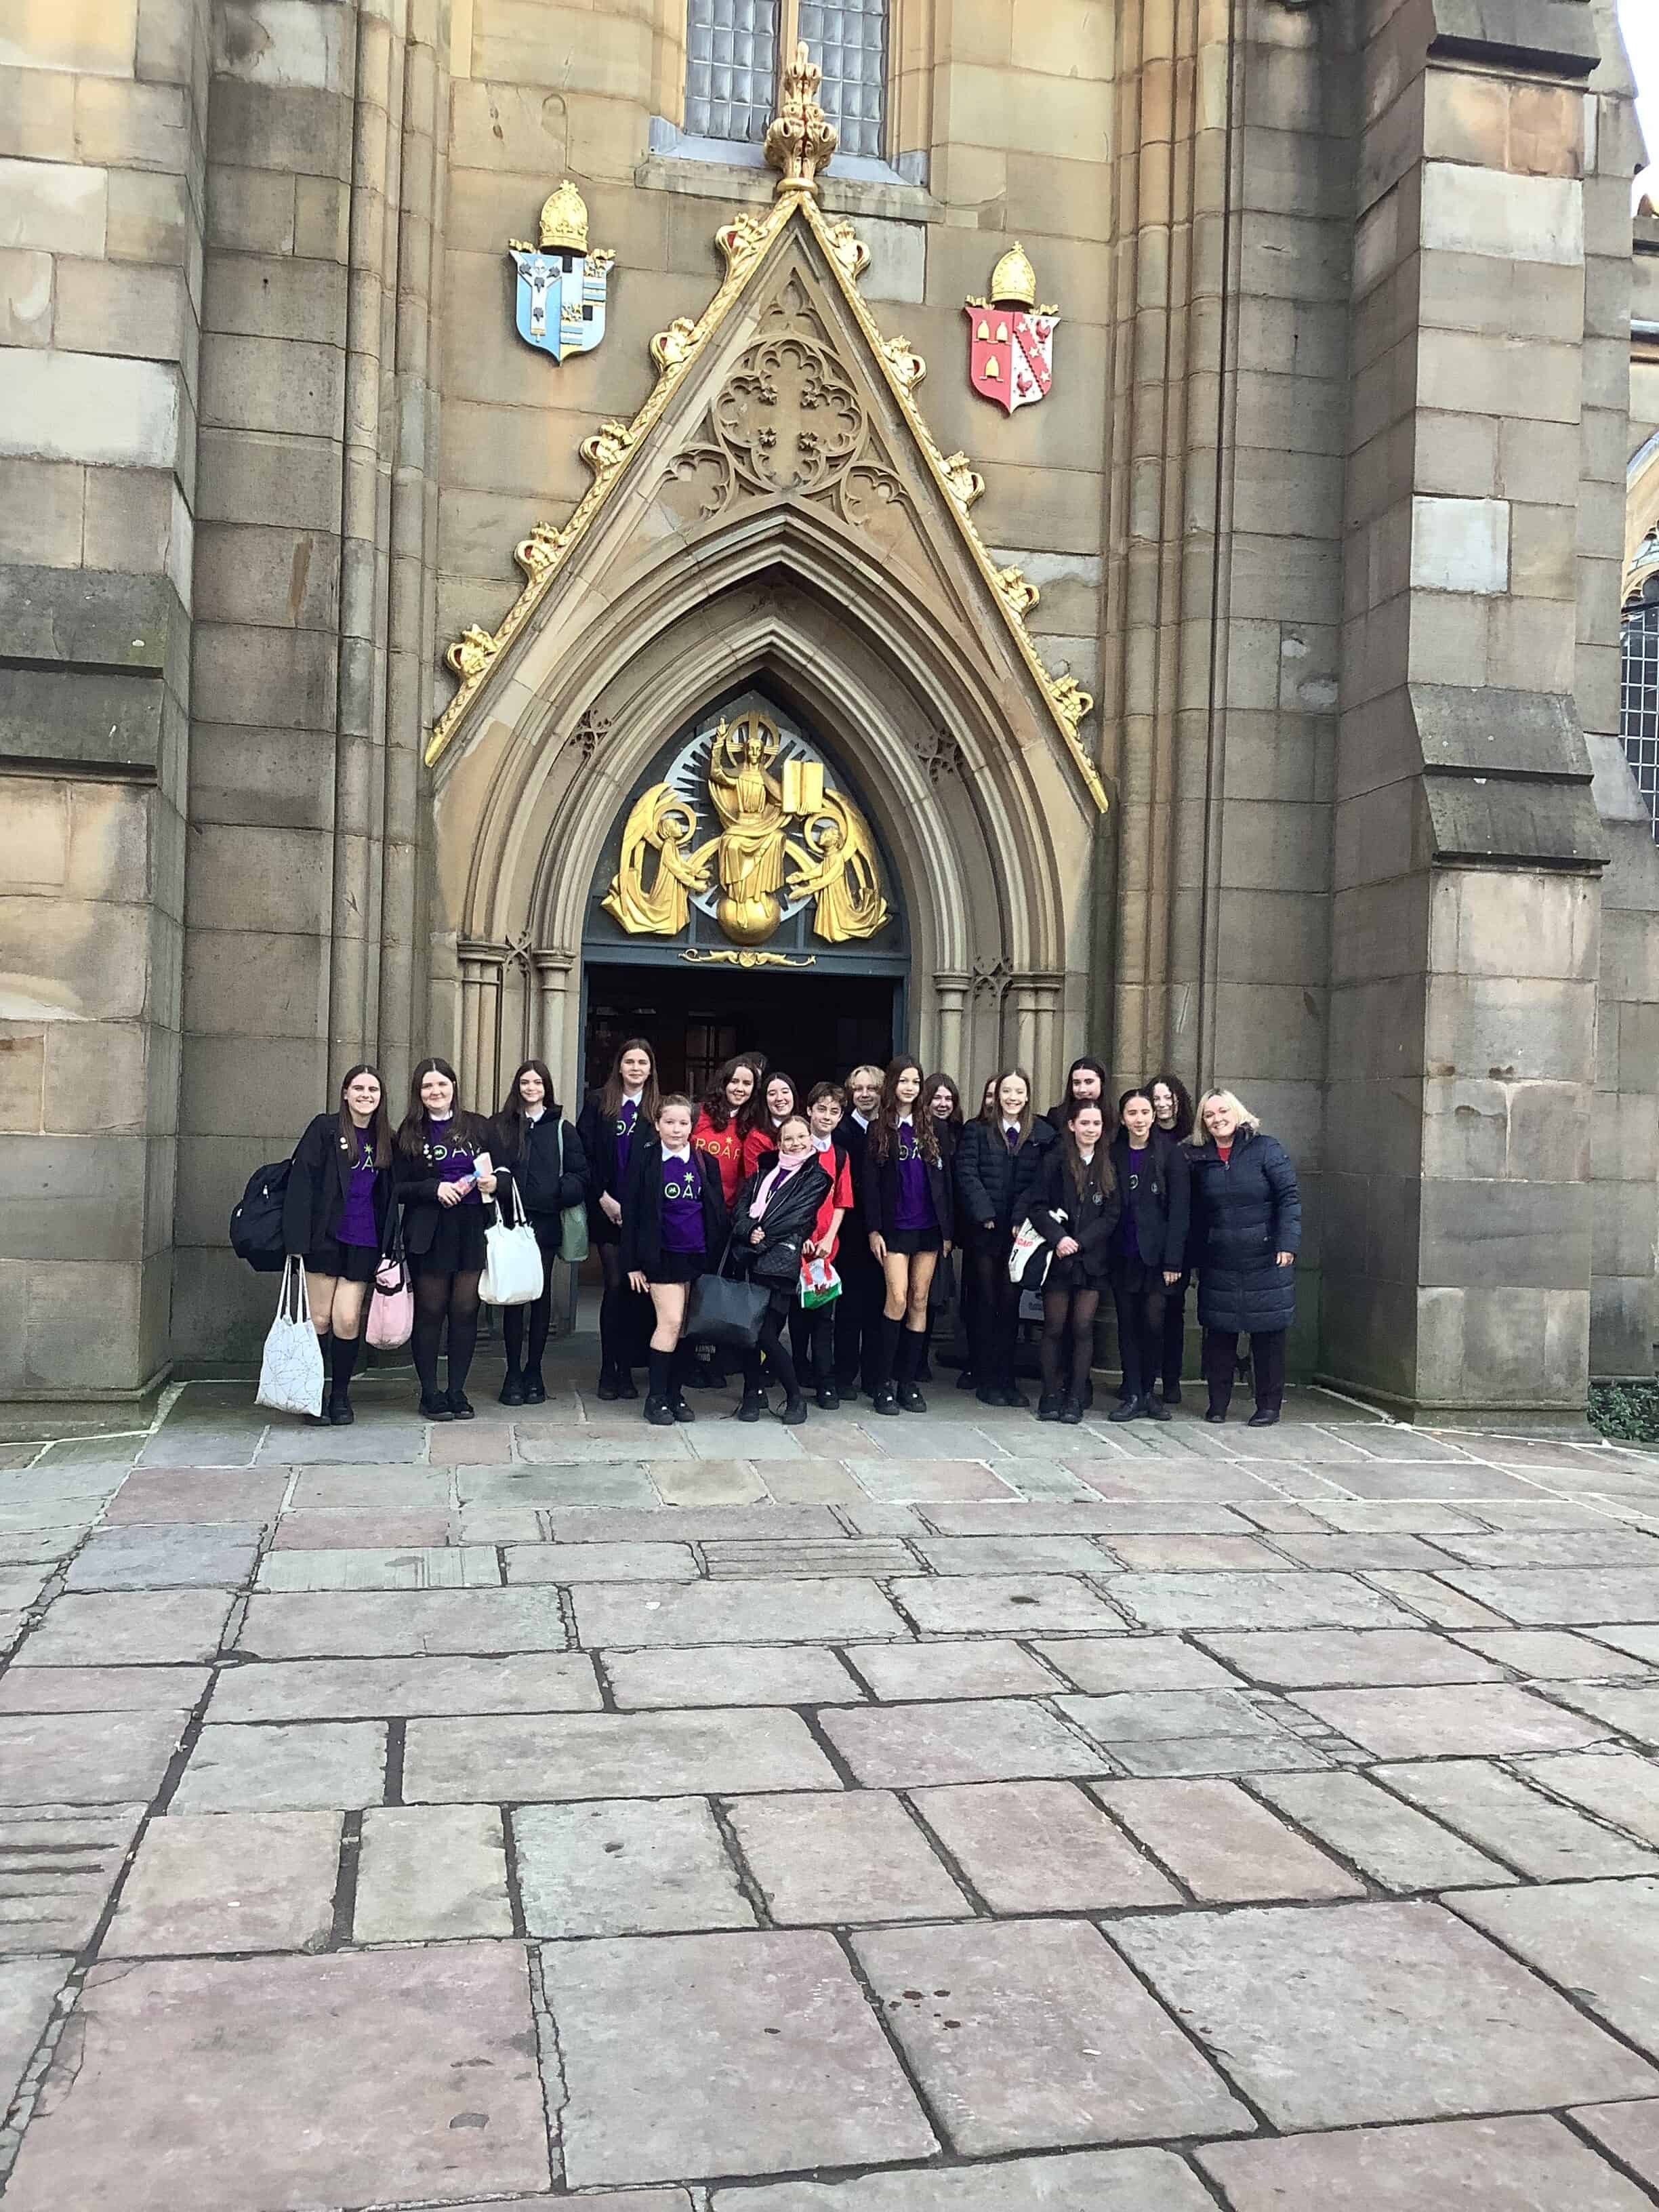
(773, 1349)
(1140, 1336)
(813, 1341)
(617, 1326)
(437, 1297)
(539, 1314)
(1069, 1341)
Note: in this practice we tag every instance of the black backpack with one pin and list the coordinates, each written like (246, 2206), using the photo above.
(256, 1226)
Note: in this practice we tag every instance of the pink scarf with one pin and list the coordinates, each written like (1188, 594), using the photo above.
(781, 1173)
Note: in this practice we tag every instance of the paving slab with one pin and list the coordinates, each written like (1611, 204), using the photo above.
(1087, 1516)
(1528, 2163)
(625, 1866)
(370, 1489)
(379, 1439)
(1005, 1605)
(398, 1688)
(1265, 1752)
(57, 1866)
(642, 1754)
(1618, 1786)
(811, 1481)
(1633, 1711)
(600, 1563)
(1400, 1850)
(324, 1530)
(229, 1881)
(1031, 1847)
(352, 2078)
(1474, 1718)
(29, 1991)
(1314, 1658)
(1608, 1547)
(20, 1588)
(1082, 2181)
(1631, 2132)
(376, 1624)
(85, 1759)
(1291, 1600)
(1527, 1830)
(1360, 2013)
(101, 1689)
(777, 2010)
(602, 1524)
(1634, 1641)
(979, 1740)
(733, 1674)
(158, 1555)
(908, 1481)
(412, 1567)
(293, 1767)
(1029, 2034)
(1598, 1939)
(431, 1873)
(991, 1667)
(637, 1614)
(1196, 1555)
(843, 1861)
(1107, 1664)
(1222, 1845)
(758, 1557)
(129, 1628)
(1549, 1654)
(1137, 1716)
(1013, 1555)
(1562, 1597)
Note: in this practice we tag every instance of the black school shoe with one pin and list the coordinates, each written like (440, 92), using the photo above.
(886, 1399)
(1071, 1412)
(1048, 1405)
(965, 1380)
(659, 1413)
(435, 1407)
(1152, 1410)
(680, 1409)
(910, 1399)
(1265, 1417)
(828, 1398)
(339, 1413)
(609, 1387)
(461, 1405)
(794, 1411)
(535, 1390)
(512, 1391)
(753, 1406)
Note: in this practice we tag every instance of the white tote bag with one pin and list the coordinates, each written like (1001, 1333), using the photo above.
(291, 1372)
(513, 1274)
(1025, 1247)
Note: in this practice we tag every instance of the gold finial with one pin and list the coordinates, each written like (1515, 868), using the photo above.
(801, 138)
(1013, 281)
(564, 220)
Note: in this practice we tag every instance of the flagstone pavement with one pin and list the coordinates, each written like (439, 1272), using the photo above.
(938, 1814)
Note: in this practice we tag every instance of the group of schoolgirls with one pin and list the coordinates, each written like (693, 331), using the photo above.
(358, 1193)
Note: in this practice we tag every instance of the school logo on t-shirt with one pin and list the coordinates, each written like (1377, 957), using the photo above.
(908, 1146)
(680, 1180)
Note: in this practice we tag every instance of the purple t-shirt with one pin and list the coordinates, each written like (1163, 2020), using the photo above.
(627, 1114)
(681, 1206)
(912, 1210)
(451, 1156)
(357, 1219)
(1128, 1236)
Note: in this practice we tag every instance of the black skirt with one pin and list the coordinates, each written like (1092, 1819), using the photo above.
(350, 1263)
(909, 1242)
(457, 1246)
(1133, 1276)
(680, 1267)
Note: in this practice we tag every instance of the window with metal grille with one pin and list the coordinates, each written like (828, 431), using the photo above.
(1638, 698)
(735, 51)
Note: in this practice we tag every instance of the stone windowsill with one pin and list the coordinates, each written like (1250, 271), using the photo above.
(719, 169)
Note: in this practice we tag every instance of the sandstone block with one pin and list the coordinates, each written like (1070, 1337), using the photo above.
(81, 407)
(132, 127)
(115, 308)
(40, 506)
(26, 310)
(37, 114)
(149, 218)
(84, 36)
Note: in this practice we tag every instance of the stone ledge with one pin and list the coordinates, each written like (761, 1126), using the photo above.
(83, 721)
(1493, 731)
(895, 201)
(1557, 34)
(1514, 821)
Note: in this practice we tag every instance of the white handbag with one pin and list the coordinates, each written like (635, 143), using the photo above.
(291, 1371)
(514, 1274)
(1026, 1244)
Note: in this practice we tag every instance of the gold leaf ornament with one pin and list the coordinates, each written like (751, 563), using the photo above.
(800, 138)
(1017, 591)
(472, 653)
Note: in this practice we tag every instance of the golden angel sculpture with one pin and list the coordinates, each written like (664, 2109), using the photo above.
(839, 870)
(750, 847)
(662, 823)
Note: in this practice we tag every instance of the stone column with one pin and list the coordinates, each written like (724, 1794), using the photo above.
(1026, 997)
(1468, 905)
(554, 975)
(1045, 1061)
(481, 988)
(951, 989)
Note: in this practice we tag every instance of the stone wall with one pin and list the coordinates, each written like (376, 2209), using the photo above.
(102, 115)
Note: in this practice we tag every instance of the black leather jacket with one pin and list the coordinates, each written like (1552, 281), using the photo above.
(787, 1221)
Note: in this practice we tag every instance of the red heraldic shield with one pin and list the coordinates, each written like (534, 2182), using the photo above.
(1010, 355)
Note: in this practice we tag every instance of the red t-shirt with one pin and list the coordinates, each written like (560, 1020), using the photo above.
(838, 1199)
(759, 1145)
(726, 1149)
(1225, 1151)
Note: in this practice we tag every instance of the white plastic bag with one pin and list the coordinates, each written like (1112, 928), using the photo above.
(291, 1372)
(1026, 1244)
(513, 1274)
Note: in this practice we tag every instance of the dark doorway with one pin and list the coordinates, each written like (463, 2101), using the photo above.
(812, 1026)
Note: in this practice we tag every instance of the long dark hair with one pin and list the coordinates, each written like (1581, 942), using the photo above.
(930, 1086)
(1097, 1171)
(884, 1129)
(991, 1112)
(718, 1107)
(379, 1124)
(763, 1083)
(1057, 1113)
(611, 1098)
(1179, 1092)
(513, 1122)
(412, 1129)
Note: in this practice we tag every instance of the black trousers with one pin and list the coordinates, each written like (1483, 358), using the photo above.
(1267, 1358)
(994, 1314)
(812, 1339)
(1175, 1333)
(858, 1317)
(1140, 1307)
(772, 1351)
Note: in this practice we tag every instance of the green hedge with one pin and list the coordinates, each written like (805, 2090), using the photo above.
(1627, 1411)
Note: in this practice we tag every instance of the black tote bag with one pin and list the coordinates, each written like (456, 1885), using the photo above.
(725, 1310)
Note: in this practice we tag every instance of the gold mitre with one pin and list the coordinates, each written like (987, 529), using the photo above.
(564, 220)
(1013, 281)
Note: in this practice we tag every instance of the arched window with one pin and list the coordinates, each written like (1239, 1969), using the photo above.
(1638, 692)
(734, 55)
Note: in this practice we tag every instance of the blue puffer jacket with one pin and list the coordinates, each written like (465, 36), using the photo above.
(1245, 1209)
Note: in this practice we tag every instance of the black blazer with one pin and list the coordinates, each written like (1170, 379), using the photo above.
(788, 1222)
(1162, 1203)
(596, 1133)
(994, 1184)
(879, 1181)
(536, 1175)
(417, 1181)
(854, 1229)
(1054, 1211)
(318, 1180)
(642, 1205)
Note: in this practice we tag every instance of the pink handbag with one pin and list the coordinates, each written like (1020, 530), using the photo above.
(391, 1308)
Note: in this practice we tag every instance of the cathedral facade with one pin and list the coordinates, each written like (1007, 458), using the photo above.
(1011, 530)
